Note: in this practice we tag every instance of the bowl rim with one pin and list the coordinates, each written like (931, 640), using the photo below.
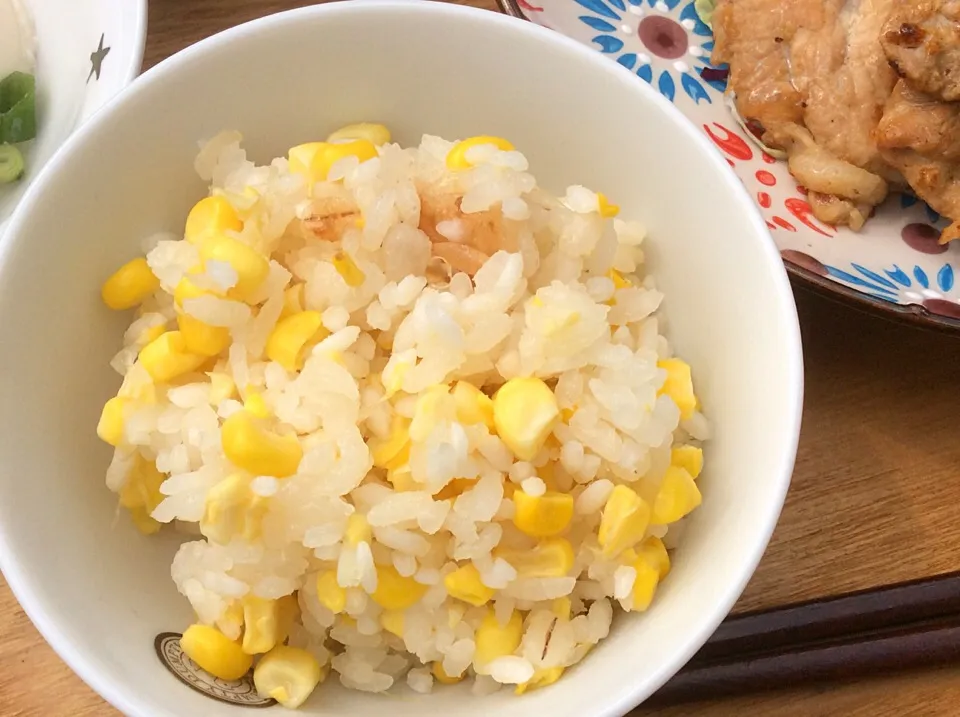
(911, 314)
(123, 696)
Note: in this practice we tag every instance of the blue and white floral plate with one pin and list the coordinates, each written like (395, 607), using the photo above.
(894, 266)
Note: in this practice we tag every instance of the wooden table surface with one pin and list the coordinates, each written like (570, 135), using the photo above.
(874, 497)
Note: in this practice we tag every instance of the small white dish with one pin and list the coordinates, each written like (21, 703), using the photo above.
(102, 594)
(86, 51)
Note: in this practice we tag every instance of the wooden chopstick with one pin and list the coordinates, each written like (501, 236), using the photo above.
(900, 626)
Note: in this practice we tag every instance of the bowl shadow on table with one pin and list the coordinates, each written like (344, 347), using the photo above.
(873, 478)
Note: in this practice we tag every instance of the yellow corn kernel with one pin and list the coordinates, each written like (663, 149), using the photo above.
(678, 385)
(395, 592)
(166, 357)
(185, 289)
(433, 406)
(150, 334)
(473, 405)
(110, 427)
(215, 652)
(402, 479)
(690, 458)
(301, 157)
(252, 267)
(562, 608)
(261, 624)
(619, 282)
(525, 412)
(288, 613)
(454, 488)
(358, 530)
(541, 678)
(258, 451)
(442, 677)
(142, 489)
(143, 522)
(348, 269)
(222, 387)
(129, 285)
(287, 674)
(624, 521)
(655, 552)
(292, 339)
(331, 595)
(606, 209)
(293, 301)
(392, 622)
(551, 558)
(495, 640)
(645, 584)
(457, 156)
(542, 516)
(255, 405)
(230, 622)
(209, 216)
(464, 584)
(232, 509)
(314, 159)
(386, 453)
(375, 133)
(678, 495)
(202, 339)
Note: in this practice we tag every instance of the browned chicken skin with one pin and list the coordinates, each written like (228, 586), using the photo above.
(921, 38)
(921, 138)
(813, 75)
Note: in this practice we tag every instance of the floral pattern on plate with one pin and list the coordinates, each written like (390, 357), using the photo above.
(894, 265)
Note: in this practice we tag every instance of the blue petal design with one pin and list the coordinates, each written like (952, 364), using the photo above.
(945, 277)
(667, 87)
(708, 46)
(608, 43)
(921, 276)
(636, 2)
(699, 28)
(599, 7)
(672, 3)
(855, 280)
(628, 60)
(597, 24)
(645, 72)
(899, 276)
(907, 200)
(694, 89)
(874, 276)
(618, 4)
(931, 214)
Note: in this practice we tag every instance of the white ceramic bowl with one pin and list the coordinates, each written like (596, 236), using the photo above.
(101, 593)
(68, 34)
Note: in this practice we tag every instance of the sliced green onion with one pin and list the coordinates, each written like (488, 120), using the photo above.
(704, 10)
(18, 108)
(11, 164)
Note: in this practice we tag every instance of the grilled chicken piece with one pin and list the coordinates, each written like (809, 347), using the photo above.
(920, 136)
(813, 76)
(921, 38)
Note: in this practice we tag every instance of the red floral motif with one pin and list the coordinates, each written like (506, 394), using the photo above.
(738, 150)
(784, 224)
(730, 142)
(527, 6)
(765, 178)
(802, 211)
